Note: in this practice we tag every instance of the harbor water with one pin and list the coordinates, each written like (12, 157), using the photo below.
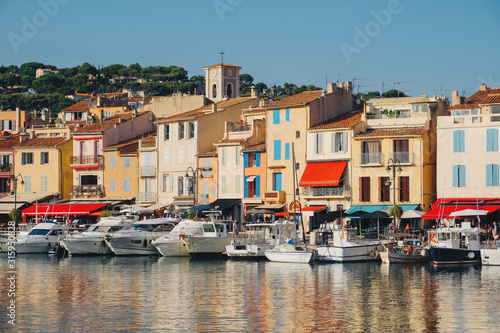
(136, 294)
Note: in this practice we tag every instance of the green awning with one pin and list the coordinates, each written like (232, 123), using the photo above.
(364, 209)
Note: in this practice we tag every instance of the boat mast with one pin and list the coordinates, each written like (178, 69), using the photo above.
(295, 182)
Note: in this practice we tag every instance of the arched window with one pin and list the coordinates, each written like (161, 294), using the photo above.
(214, 91)
(229, 90)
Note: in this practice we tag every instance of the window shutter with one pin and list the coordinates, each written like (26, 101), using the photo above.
(166, 155)
(257, 159)
(175, 131)
(237, 184)
(112, 185)
(245, 161)
(181, 154)
(287, 151)
(195, 129)
(381, 189)
(278, 181)
(191, 154)
(344, 141)
(257, 186)
(495, 181)
(492, 139)
(455, 176)
(489, 174)
(276, 116)
(246, 185)
(361, 189)
(287, 115)
(461, 175)
(277, 150)
(333, 145)
(456, 141)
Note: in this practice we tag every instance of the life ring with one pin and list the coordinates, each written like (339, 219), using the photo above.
(432, 238)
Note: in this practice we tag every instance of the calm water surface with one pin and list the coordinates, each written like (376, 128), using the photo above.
(133, 294)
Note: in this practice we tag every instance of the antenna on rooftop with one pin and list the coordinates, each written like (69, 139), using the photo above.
(362, 85)
(398, 83)
(464, 92)
(441, 90)
(354, 79)
(383, 86)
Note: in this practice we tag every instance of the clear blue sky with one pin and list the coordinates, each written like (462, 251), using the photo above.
(430, 44)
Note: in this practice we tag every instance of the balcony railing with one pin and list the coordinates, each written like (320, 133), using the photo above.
(146, 171)
(327, 191)
(405, 157)
(87, 190)
(145, 196)
(87, 160)
(6, 167)
(370, 158)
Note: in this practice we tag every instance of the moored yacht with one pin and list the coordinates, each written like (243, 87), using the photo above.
(92, 241)
(43, 238)
(211, 243)
(345, 247)
(455, 245)
(136, 240)
(290, 253)
(173, 245)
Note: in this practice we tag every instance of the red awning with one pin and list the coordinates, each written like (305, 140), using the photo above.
(322, 174)
(313, 208)
(443, 212)
(286, 214)
(62, 209)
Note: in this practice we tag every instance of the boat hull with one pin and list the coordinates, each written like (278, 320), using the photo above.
(172, 247)
(132, 246)
(290, 257)
(249, 251)
(490, 256)
(209, 247)
(86, 246)
(35, 246)
(447, 256)
(401, 257)
(362, 252)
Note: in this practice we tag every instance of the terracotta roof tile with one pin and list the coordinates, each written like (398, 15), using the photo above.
(254, 111)
(80, 106)
(208, 153)
(129, 141)
(479, 97)
(231, 140)
(345, 120)
(40, 142)
(304, 97)
(259, 146)
(108, 123)
(7, 142)
(219, 64)
(412, 131)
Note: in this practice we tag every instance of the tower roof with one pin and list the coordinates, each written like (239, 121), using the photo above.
(221, 64)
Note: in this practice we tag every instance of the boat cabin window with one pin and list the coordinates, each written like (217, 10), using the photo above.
(163, 227)
(39, 232)
(208, 228)
(444, 236)
(472, 237)
(141, 227)
(351, 235)
(219, 227)
(92, 228)
(111, 229)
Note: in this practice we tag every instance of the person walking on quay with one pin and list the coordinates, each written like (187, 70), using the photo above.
(494, 231)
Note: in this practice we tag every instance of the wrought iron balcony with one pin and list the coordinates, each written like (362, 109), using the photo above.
(328, 191)
(77, 190)
(87, 160)
(405, 157)
(370, 158)
(145, 197)
(146, 171)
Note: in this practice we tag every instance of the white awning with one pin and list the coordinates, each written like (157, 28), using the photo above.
(271, 206)
(250, 179)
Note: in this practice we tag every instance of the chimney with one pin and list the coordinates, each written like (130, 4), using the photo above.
(32, 134)
(455, 99)
(483, 87)
(252, 90)
(330, 87)
(261, 103)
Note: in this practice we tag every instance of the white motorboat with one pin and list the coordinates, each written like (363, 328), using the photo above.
(490, 255)
(173, 245)
(290, 253)
(405, 250)
(261, 237)
(92, 241)
(4, 241)
(345, 248)
(211, 243)
(136, 240)
(455, 245)
(43, 238)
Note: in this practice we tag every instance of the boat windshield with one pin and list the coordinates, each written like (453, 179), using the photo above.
(208, 227)
(219, 227)
(38, 232)
(163, 227)
(92, 228)
(142, 227)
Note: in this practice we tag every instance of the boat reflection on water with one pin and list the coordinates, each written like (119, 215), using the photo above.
(243, 296)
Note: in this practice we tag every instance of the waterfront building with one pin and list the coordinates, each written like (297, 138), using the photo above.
(7, 167)
(164, 106)
(147, 169)
(88, 161)
(207, 185)
(42, 164)
(182, 137)
(468, 156)
(326, 181)
(98, 107)
(287, 122)
(255, 175)
(400, 135)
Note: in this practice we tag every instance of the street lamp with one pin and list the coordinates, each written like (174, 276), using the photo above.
(194, 181)
(15, 187)
(391, 165)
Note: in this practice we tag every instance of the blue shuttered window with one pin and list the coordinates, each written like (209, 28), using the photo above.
(459, 177)
(276, 117)
(492, 139)
(246, 160)
(459, 141)
(257, 159)
(287, 115)
(287, 151)
(257, 186)
(112, 185)
(492, 178)
(126, 162)
(112, 161)
(277, 150)
(278, 181)
(126, 185)
(246, 185)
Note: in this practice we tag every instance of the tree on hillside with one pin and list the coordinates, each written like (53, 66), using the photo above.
(113, 70)
(29, 68)
(48, 83)
(87, 68)
(393, 93)
(368, 95)
(13, 69)
(246, 82)
(198, 79)
(260, 88)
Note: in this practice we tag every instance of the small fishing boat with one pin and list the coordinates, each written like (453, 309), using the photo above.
(346, 248)
(403, 248)
(490, 254)
(455, 245)
(211, 243)
(261, 237)
(43, 238)
(290, 253)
